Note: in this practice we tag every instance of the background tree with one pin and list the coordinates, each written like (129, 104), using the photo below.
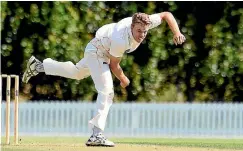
(208, 67)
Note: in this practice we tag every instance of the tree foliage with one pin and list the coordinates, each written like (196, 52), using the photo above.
(208, 67)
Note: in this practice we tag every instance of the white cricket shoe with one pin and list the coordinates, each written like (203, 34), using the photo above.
(30, 69)
(99, 140)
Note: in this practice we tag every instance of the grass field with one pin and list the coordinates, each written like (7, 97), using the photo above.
(124, 144)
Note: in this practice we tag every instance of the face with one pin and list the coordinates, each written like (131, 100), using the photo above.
(139, 31)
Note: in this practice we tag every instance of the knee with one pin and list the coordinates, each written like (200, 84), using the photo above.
(105, 101)
(108, 91)
(107, 96)
(75, 76)
(82, 73)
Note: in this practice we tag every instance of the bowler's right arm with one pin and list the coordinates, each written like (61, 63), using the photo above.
(117, 71)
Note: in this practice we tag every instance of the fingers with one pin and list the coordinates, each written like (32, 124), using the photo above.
(179, 39)
(175, 41)
(123, 85)
(182, 39)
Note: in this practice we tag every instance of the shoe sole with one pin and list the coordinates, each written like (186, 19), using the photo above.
(99, 145)
(28, 64)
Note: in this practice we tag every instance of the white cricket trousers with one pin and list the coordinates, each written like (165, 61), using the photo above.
(94, 64)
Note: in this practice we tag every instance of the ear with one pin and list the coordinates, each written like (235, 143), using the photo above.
(132, 26)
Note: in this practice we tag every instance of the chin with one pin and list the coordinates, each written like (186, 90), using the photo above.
(139, 41)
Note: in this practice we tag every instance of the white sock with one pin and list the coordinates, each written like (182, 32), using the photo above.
(39, 66)
(96, 130)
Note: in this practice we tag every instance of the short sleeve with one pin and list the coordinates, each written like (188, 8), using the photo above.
(119, 38)
(155, 19)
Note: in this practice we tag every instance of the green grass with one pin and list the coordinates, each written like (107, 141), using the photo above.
(77, 143)
(235, 144)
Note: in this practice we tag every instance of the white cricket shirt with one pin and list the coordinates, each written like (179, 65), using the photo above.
(117, 38)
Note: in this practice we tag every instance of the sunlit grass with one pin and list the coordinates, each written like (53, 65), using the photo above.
(74, 143)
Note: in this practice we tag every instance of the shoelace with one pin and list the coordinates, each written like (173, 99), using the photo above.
(102, 137)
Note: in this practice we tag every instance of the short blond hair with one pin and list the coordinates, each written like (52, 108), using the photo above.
(141, 18)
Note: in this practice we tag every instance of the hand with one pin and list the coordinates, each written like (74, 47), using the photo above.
(124, 82)
(179, 39)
